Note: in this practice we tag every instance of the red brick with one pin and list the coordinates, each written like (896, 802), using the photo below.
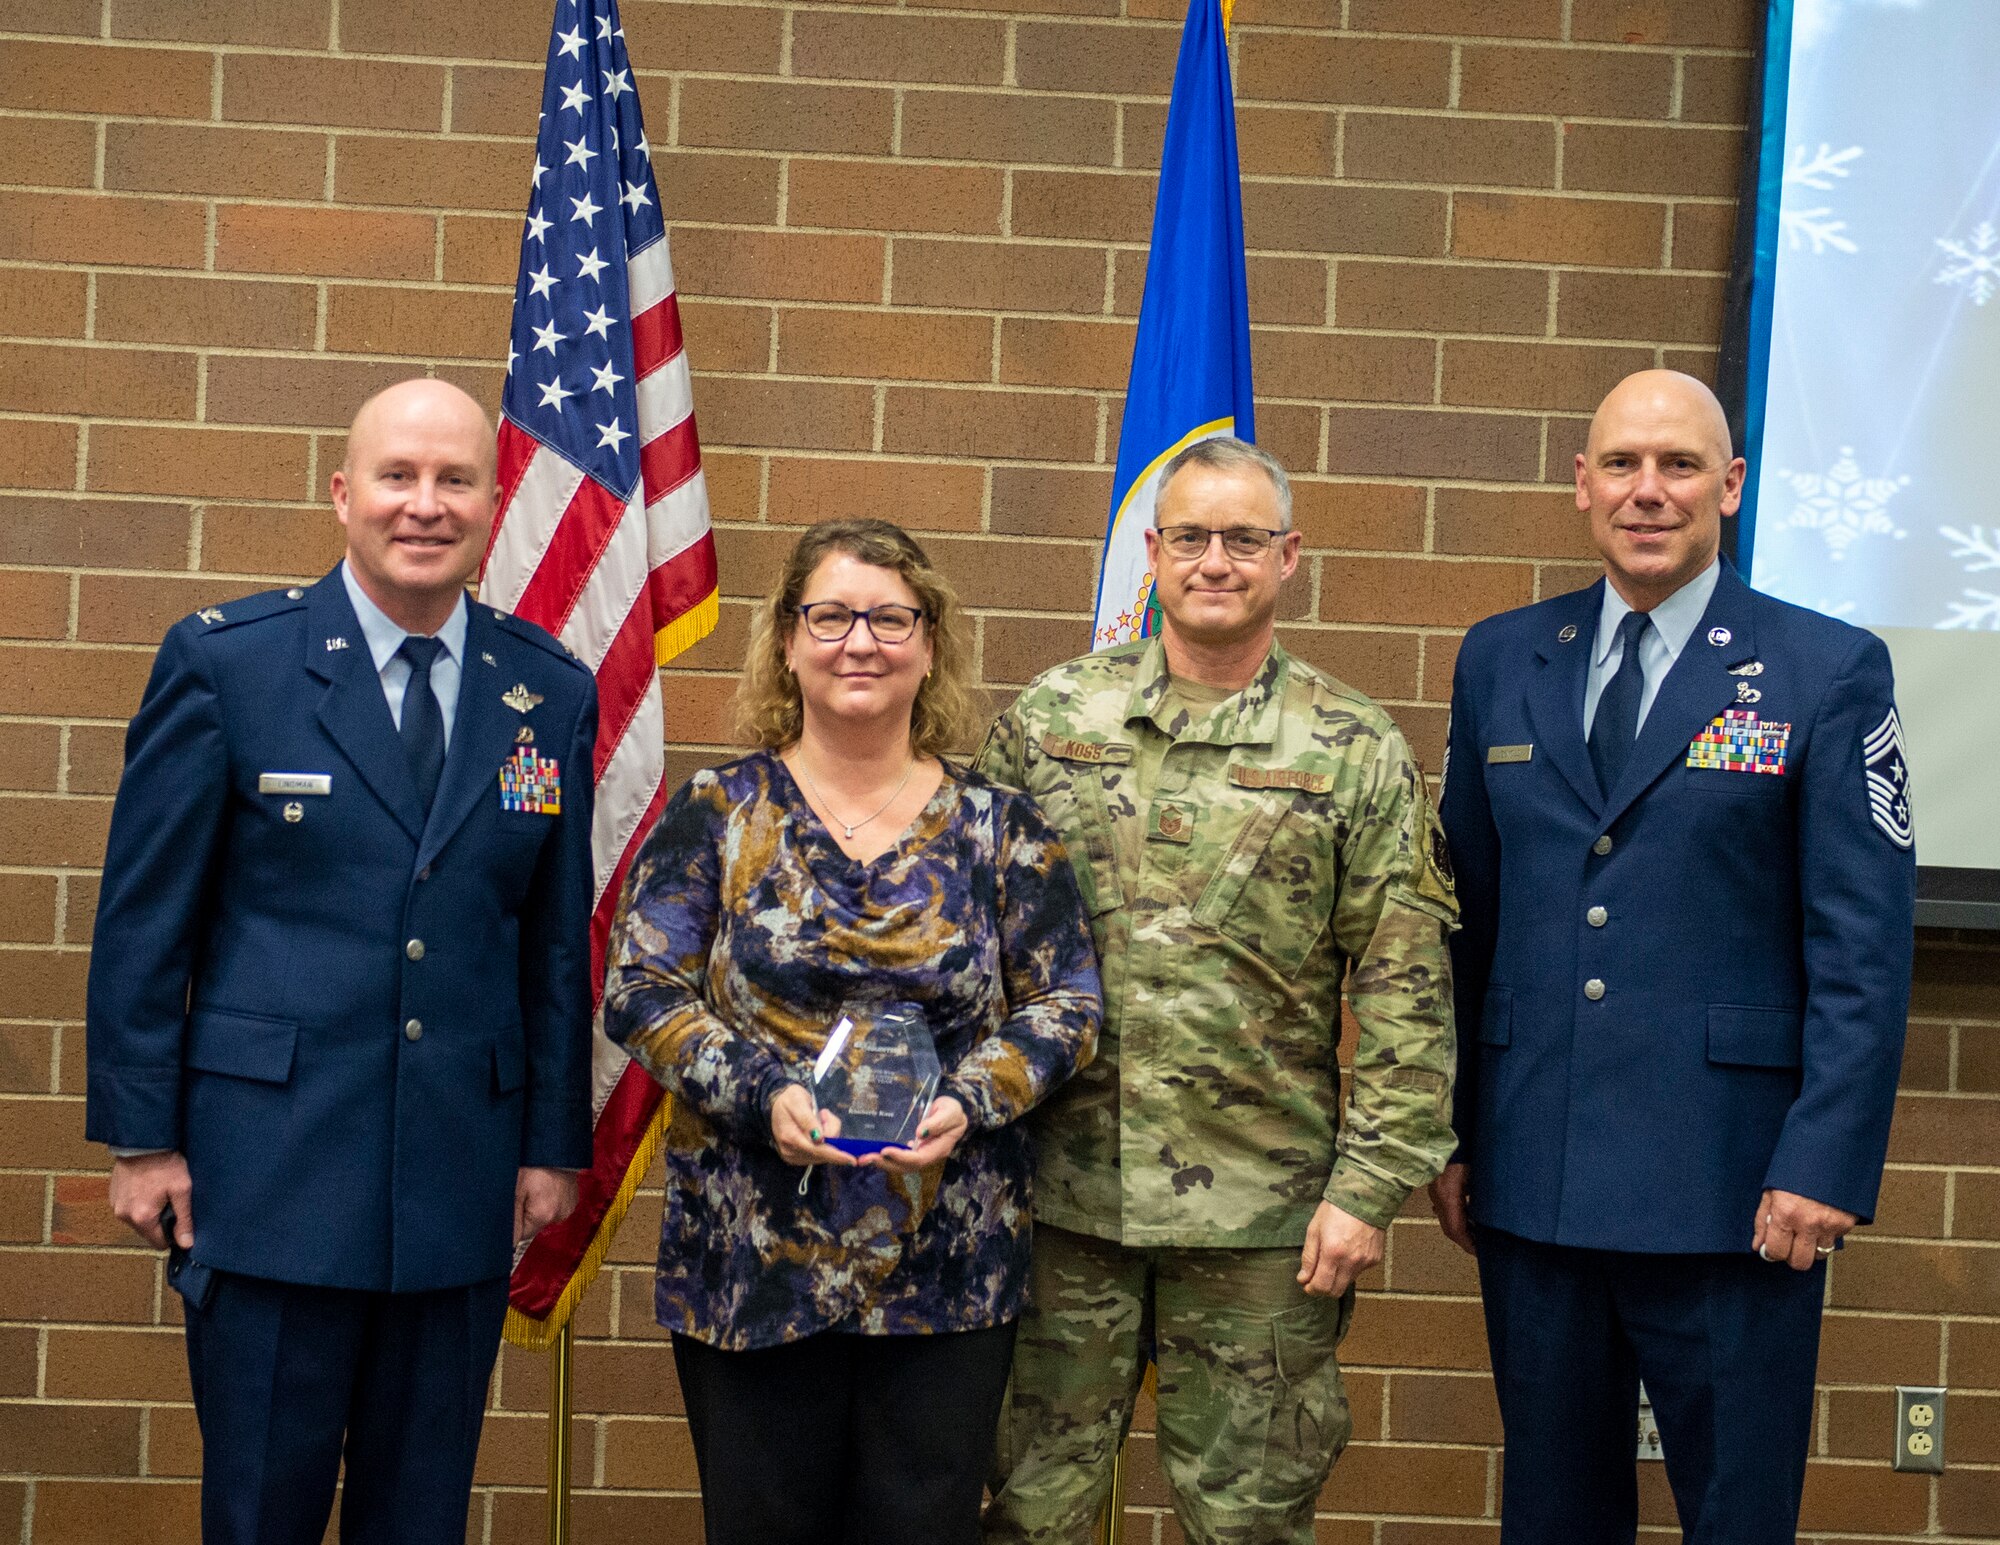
(1366, 517)
(184, 158)
(1281, 141)
(63, 18)
(202, 463)
(387, 319)
(1039, 352)
(920, 496)
(84, 683)
(53, 833)
(89, 78)
(1936, 1130)
(243, 313)
(1864, 1498)
(768, 115)
(96, 382)
(1383, 665)
(1406, 590)
(885, 345)
(341, 243)
(42, 303)
(132, 1512)
(101, 229)
(101, 1364)
(1099, 206)
(500, 29)
(28, 756)
(1013, 650)
(1532, 228)
(899, 46)
(97, 533)
(285, 23)
(17, 1361)
(48, 152)
(97, 751)
(1445, 297)
(125, 609)
(1949, 1279)
(1512, 523)
(432, 172)
(336, 92)
(71, 1440)
(649, 1455)
(35, 454)
(1394, 1332)
(1114, 58)
(1056, 426)
(1344, 71)
(778, 265)
(1567, 82)
(726, 337)
(1342, 366)
(1051, 501)
(799, 415)
(22, 1200)
(44, 1285)
(730, 39)
(1969, 1502)
(1666, 307)
(1379, 222)
(1004, 276)
(323, 393)
(1698, 22)
(1404, 1478)
(1609, 158)
(33, 604)
(1535, 375)
(863, 195)
(1406, 147)
(998, 126)
(1410, 443)
(1466, 18)
(45, 984)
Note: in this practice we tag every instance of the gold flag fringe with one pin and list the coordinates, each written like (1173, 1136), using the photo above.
(688, 629)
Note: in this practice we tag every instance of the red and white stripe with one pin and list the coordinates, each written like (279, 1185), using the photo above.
(606, 576)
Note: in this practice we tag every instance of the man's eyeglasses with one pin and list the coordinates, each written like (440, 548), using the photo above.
(830, 621)
(1237, 541)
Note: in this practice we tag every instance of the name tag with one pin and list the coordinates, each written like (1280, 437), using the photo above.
(294, 783)
(1510, 753)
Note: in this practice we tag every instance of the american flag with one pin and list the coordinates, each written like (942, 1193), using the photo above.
(603, 533)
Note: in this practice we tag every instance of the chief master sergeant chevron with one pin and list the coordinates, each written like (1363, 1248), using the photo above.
(1680, 815)
(339, 1013)
(1248, 834)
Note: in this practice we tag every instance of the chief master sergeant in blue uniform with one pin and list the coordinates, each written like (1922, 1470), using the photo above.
(1680, 816)
(339, 1014)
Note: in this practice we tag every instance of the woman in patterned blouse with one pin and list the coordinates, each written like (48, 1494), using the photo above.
(843, 1325)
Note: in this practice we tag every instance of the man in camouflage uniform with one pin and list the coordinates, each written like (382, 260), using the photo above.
(1248, 832)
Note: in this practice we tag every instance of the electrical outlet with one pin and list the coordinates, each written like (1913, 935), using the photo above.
(1919, 1429)
(1649, 1429)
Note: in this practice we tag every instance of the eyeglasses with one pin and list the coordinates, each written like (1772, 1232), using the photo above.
(830, 621)
(1237, 541)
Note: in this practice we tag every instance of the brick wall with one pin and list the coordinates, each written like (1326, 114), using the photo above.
(910, 242)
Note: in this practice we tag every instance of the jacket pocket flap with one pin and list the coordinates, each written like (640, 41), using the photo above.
(510, 1066)
(241, 1045)
(1757, 1038)
(1496, 1017)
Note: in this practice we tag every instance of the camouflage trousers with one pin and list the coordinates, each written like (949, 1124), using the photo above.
(1251, 1409)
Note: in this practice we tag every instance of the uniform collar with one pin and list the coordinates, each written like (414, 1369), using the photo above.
(1249, 717)
(385, 635)
(1674, 619)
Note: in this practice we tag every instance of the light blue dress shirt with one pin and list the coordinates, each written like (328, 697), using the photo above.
(1674, 621)
(385, 636)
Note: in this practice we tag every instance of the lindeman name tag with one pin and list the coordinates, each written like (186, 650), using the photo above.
(294, 783)
(1510, 753)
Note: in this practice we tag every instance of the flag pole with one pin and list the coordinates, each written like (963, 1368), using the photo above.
(559, 1370)
(1113, 1522)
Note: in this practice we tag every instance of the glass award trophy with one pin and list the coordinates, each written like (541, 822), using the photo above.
(878, 1075)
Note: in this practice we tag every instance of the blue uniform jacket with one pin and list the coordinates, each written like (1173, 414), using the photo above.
(1674, 997)
(355, 1024)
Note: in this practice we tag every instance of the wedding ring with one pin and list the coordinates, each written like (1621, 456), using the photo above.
(1763, 1254)
(1822, 1249)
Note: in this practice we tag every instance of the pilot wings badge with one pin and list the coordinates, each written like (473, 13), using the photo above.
(519, 698)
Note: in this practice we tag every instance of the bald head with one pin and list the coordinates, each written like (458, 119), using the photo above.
(1656, 477)
(430, 405)
(416, 495)
(1656, 395)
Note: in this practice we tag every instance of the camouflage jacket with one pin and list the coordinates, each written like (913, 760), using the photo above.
(1289, 841)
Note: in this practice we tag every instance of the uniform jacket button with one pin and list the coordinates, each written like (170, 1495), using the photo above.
(414, 949)
(1593, 989)
(1595, 917)
(414, 1030)
(1602, 845)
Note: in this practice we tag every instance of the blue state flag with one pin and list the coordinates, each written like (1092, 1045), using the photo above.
(1191, 361)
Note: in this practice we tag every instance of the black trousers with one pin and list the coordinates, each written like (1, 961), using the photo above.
(1726, 1345)
(845, 1440)
(289, 1379)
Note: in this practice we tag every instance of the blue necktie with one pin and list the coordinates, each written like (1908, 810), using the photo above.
(423, 720)
(1617, 723)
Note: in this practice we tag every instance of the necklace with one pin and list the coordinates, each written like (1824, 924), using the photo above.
(851, 827)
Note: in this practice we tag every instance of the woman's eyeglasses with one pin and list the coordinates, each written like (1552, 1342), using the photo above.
(830, 621)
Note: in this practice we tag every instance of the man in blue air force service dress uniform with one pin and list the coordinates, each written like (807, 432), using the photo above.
(340, 999)
(1679, 812)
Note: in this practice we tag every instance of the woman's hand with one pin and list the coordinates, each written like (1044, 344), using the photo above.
(943, 1125)
(797, 1130)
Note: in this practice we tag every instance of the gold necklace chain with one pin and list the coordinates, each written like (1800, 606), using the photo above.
(851, 828)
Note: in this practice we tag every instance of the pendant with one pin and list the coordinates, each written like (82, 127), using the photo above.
(850, 832)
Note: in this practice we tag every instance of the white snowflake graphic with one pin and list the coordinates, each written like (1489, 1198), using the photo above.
(1974, 263)
(1842, 505)
(1816, 227)
(1979, 550)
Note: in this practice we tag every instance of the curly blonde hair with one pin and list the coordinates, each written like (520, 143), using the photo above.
(769, 713)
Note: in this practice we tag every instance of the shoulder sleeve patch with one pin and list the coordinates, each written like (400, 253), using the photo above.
(1887, 770)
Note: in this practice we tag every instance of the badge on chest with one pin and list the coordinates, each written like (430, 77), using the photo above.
(530, 783)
